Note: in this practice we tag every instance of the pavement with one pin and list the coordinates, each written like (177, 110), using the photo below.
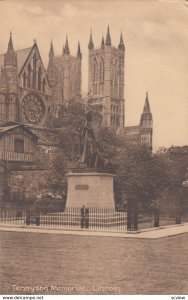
(152, 233)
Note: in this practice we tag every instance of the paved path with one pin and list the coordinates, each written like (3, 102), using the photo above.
(154, 233)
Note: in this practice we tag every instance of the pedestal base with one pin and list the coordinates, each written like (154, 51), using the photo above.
(90, 189)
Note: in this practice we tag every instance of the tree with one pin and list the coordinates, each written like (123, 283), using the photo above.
(176, 195)
(142, 179)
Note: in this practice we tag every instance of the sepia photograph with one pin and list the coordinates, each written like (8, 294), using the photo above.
(93, 148)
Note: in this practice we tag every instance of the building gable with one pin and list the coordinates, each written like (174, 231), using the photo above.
(32, 74)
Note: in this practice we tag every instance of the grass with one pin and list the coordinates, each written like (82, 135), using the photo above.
(111, 265)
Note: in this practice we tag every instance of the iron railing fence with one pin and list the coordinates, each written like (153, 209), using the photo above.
(149, 218)
(94, 218)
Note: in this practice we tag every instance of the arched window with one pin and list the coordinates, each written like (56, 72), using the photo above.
(102, 70)
(44, 85)
(34, 70)
(95, 73)
(116, 78)
(39, 78)
(24, 80)
(112, 76)
(95, 67)
(116, 72)
(29, 76)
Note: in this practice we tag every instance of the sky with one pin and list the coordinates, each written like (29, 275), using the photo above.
(156, 57)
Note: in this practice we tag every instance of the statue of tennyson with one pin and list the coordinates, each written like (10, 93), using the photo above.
(91, 145)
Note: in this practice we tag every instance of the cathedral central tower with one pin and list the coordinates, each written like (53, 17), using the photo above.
(106, 80)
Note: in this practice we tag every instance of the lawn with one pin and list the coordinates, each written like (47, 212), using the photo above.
(59, 264)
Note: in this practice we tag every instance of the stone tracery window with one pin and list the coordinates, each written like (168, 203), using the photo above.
(95, 70)
(102, 70)
(39, 78)
(102, 76)
(29, 76)
(95, 73)
(112, 76)
(24, 80)
(34, 70)
(44, 85)
(116, 78)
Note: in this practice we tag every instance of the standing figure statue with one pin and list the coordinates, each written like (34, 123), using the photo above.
(91, 144)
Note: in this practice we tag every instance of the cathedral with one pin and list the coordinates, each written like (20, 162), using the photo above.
(30, 93)
(106, 80)
(106, 88)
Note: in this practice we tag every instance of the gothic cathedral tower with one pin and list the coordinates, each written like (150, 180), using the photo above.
(64, 73)
(106, 80)
(8, 86)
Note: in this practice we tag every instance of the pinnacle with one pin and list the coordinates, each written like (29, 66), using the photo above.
(10, 57)
(79, 54)
(51, 53)
(67, 51)
(121, 43)
(146, 105)
(108, 37)
(102, 43)
(90, 44)
(10, 43)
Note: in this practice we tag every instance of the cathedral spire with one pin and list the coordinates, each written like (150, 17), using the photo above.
(108, 37)
(146, 124)
(79, 54)
(102, 43)
(146, 117)
(10, 44)
(146, 105)
(51, 53)
(121, 43)
(10, 57)
(67, 51)
(90, 44)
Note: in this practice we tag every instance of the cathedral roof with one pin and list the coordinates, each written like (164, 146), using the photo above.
(21, 58)
(132, 130)
(59, 59)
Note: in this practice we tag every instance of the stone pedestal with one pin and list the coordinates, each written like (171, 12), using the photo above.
(92, 189)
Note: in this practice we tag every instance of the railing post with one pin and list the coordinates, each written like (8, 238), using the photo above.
(38, 219)
(156, 218)
(82, 217)
(27, 218)
(132, 219)
(129, 215)
(135, 219)
(37, 216)
(87, 217)
(178, 218)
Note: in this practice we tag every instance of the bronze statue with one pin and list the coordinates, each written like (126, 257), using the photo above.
(91, 144)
